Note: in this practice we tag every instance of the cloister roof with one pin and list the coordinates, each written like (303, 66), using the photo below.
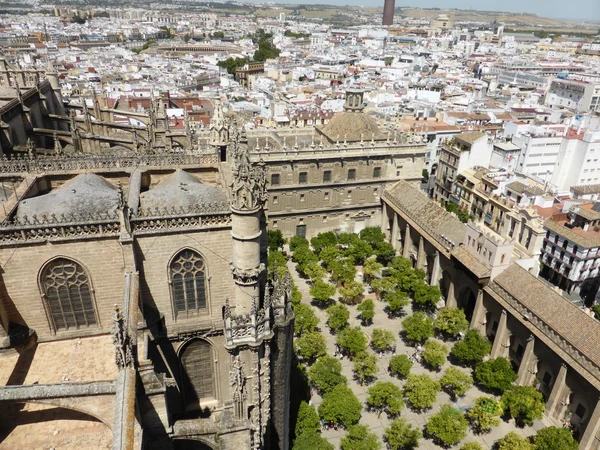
(568, 321)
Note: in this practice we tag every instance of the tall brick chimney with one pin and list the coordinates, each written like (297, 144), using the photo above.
(388, 12)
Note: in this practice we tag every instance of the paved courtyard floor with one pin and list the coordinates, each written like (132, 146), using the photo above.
(377, 423)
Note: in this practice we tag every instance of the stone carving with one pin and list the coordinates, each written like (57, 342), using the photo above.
(237, 379)
(243, 329)
(246, 277)
(249, 186)
(121, 341)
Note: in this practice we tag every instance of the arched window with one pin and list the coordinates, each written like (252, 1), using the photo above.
(188, 282)
(68, 295)
(197, 362)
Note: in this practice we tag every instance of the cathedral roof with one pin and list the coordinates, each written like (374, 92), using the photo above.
(349, 126)
(181, 189)
(87, 195)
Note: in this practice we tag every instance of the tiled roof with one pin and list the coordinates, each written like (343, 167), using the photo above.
(470, 261)
(585, 242)
(470, 137)
(566, 320)
(586, 189)
(425, 213)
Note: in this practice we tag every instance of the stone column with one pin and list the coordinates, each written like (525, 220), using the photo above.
(421, 256)
(395, 232)
(527, 362)
(478, 319)
(553, 403)
(451, 299)
(385, 222)
(407, 244)
(589, 440)
(499, 346)
(435, 273)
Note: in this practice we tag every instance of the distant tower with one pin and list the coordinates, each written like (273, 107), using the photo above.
(388, 12)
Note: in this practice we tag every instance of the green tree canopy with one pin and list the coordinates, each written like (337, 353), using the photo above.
(471, 446)
(400, 366)
(418, 327)
(365, 367)
(329, 255)
(313, 270)
(496, 375)
(352, 292)
(426, 296)
(512, 441)
(383, 285)
(276, 262)
(396, 301)
(312, 441)
(341, 406)
(358, 437)
(421, 391)
(352, 341)
(366, 310)
(322, 291)
(455, 382)
(297, 242)
(484, 415)
(322, 240)
(385, 396)
(371, 269)
(275, 240)
(472, 349)
(338, 316)
(554, 438)
(296, 295)
(307, 420)
(342, 271)
(311, 346)
(447, 427)
(306, 319)
(382, 339)
(435, 354)
(372, 235)
(326, 374)
(401, 435)
(358, 252)
(524, 404)
(385, 253)
(450, 322)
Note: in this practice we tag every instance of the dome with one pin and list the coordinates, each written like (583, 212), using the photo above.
(349, 126)
(181, 190)
(87, 195)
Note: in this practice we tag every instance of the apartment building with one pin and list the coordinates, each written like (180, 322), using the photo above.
(463, 151)
(577, 95)
(571, 249)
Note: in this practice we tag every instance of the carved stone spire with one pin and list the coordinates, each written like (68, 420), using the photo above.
(57, 146)
(248, 189)
(121, 341)
(219, 126)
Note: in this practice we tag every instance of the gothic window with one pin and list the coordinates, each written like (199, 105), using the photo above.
(188, 282)
(198, 372)
(68, 295)
(326, 176)
(351, 174)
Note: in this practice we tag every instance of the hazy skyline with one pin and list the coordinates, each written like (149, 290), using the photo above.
(588, 10)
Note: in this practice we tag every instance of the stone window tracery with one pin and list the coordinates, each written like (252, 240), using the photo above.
(188, 282)
(68, 295)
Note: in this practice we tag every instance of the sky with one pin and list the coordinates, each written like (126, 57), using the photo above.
(557, 9)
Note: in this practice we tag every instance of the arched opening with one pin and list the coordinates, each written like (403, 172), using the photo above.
(544, 378)
(516, 350)
(188, 282)
(197, 372)
(33, 425)
(68, 295)
(466, 301)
